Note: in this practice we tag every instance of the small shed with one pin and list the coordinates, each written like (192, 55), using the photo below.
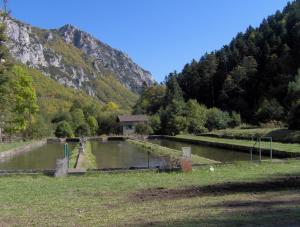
(128, 122)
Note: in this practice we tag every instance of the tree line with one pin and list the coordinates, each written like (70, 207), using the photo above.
(87, 120)
(18, 105)
(255, 78)
(255, 75)
(171, 114)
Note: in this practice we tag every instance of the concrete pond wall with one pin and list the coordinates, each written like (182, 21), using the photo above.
(276, 153)
(6, 155)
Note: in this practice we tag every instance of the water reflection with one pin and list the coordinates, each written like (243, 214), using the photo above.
(39, 158)
(222, 155)
(120, 154)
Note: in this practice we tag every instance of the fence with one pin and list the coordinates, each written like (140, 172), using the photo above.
(259, 142)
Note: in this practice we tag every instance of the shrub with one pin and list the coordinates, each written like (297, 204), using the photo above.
(269, 110)
(196, 117)
(62, 116)
(294, 88)
(40, 128)
(235, 120)
(176, 125)
(107, 123)
(77, 104)
(77, 118)
(155, 124)
(93, 124)
(143, 129)
(83, 130)
(197, 129)
(111, 106)
(247, 126)
(63, 130)
(294, 117)
(272, 124)
(217, 119)
(90, 110)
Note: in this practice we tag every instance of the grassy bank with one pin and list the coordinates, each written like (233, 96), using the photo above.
(13, 145)
(232, 195)
(172, 153)
(88, 160)
(278, 134)
(73, 156)
(282, 148)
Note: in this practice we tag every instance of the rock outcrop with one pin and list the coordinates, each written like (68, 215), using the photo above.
(72, 57)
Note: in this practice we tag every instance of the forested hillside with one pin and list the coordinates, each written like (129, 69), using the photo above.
(254, 78)
(252, 72)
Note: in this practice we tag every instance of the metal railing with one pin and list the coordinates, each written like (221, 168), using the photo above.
(259, 140)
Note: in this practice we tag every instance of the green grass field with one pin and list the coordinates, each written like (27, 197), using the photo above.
(9, 146)
(288, 147)
(231, 195)
(278, 134)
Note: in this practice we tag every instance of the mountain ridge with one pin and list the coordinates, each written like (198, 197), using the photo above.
(76, 59)
(91, 46)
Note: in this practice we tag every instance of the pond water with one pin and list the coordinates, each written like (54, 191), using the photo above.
(217, 154)
(117, 154)
(120, 154)
(43, 157)
(113, 154)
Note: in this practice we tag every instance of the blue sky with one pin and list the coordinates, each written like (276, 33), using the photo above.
(159, 35)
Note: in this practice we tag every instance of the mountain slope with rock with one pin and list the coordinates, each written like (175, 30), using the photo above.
(76, 59)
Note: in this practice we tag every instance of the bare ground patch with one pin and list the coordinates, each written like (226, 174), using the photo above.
(280, 208)
(289, 183)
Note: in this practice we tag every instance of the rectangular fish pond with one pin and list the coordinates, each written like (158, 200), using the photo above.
(217, 154)
(112, 154)
(116, 154)
(121, 154)
(40, 158)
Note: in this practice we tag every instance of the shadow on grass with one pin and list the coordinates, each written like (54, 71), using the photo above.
(281, 184)
(261, 204)
(287, 216)
(285, 135)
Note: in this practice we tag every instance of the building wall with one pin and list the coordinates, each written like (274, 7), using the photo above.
(127, 131)
(129, 127)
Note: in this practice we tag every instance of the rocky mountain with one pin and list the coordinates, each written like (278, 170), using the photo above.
(76, 59)
(105, 57)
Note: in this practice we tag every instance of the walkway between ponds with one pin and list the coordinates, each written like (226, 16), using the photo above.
(84, 159)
